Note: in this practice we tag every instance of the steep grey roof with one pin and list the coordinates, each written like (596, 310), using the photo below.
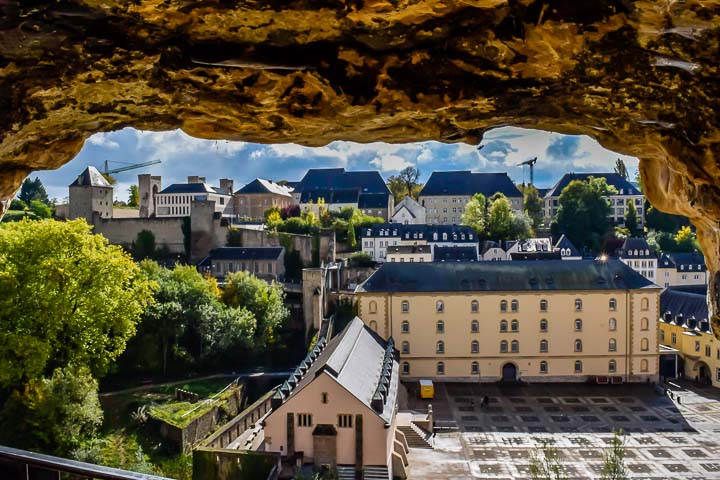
(90, 177)
(191, 188)
(260, 185)
(683, 261)
(243, 253)
(373, 200)
(486, 245)
(688, 310)
(339, 179)
(402, 249)
(565, 243)
(630, 245)
(411, 205)
(465, 182)
(455, 254)
(512, 276)
(613, 179)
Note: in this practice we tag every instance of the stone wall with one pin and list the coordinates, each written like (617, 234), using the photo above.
(124, 231)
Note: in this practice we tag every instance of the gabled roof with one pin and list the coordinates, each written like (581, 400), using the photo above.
(339, 179)
(688, 310)
(193, 188)
(512, 276)
(465, 182)
(631, 245)
(486, 245)
(613, 179)
(683, 261)
(91, 177)
(243, 253)
(455, 254)
(260, 185)
(564, 243)
(412, 206)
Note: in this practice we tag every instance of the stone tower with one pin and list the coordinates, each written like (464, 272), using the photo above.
(148, 187)
(89, 193)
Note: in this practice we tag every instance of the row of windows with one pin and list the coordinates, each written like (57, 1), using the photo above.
(543, 367)
(544, 346)
(222, 267)
(306, 420)
(514, 305)
(515, 325)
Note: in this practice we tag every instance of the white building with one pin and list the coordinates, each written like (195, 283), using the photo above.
(408, 212)
(677, 269)
(567, 249)
(376, 239)
(176, 200)
(638, 255)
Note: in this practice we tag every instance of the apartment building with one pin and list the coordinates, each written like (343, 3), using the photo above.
(445, 194)
(176, 200)
(641, 257)
(375, 240)
(538, 321)
(252, 200)
(685, 326)
(677, 269)
(626, 193)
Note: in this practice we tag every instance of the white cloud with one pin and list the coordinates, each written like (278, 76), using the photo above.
(103, 140)
(169, 145)
(390, 163)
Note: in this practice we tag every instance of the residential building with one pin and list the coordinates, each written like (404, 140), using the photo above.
(409, 253)
(376, 239)
(338, 409)
(267, 263)
(530, 249)
(176, 200)
(408, 212)
(336, 188)
(626, 193)
(252, 200)
(445, 194)
(641, 257)
(538, 321)
(90, 193)
(456, 254)
(685, 326)
(567, 249)
(676, 269)
(491, 251)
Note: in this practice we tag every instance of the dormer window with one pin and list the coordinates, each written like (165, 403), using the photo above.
(444, 236)
(435, 237)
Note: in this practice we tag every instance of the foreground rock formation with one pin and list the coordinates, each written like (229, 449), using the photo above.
(639, 76)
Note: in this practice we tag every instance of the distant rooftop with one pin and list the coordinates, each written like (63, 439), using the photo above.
(636, 248)
(91, 177)
(243, 253)
(683, 261)
(612, 178)
(688, 310)
(260, 185)
(192, 188)
(456, 254)
(408, 249)
(465, 182)
(339, 179)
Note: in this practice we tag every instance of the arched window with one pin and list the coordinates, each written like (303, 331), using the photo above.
(514, 326)
(405, 326)
(440, 326)
(612, 345)
(612, 304)
(440, 368)
(474, 326)
(543, 305)
(439, 306)
(543, 345)
(503, 346)
(543, 367)
(578, 345)
(474, 368)
(475, 347)
(643, 365)
(405, 306)
(474, 306)
(373, 307)
(644, 345)
(503, 325)
(440, 347)
(514, 346)
(578, 324)
(514, 305)
(644, 304)
(543, 325)
(406, 347)
(612, 366)
(644, 324)
(578, 366)
(578, 304)
(503, 305)
(612, 325)
(406, 368)
(373, 326)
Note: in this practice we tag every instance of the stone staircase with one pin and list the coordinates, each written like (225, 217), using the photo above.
(346, 472)
(414, 436)
(372, 472)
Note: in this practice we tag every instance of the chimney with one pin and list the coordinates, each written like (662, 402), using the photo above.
(226, 185)
(193, 179)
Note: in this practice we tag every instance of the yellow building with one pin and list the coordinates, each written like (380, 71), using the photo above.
(549, 320)
(684, 326)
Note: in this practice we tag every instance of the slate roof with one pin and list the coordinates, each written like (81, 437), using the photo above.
(330, 196)
(640, 244)
(455, 254)
(194, 188)
(260, 185)
(406, 249)
(486, 245)
(613, 179)
(538, 255)
(513, 276)
(339, 179)
(243, 253)
(465, 182)
(91, 177)
(683, 261)
(565, 243)
(354, 359)
(688, 310)
(373, 200)
(411, 205)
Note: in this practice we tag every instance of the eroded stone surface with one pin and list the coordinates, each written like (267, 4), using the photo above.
(639, 76)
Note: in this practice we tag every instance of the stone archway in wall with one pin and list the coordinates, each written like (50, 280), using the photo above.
(639, 76)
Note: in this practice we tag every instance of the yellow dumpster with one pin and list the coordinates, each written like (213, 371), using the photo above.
(426, 389)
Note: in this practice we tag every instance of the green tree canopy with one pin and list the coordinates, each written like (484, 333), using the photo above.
(583, 212)
(68, 298)
(475, 213)
(405, 183)
(631, 219)
(666, 222)
(686, 240)
(533, 205)
(144, 245)
(40, 209)
(17, 204)
(33, 190)
(499, 218)
(134, 198)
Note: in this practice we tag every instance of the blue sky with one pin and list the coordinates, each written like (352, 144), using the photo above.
(182, 155)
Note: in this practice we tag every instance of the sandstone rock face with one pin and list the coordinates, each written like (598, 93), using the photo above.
(640, 76)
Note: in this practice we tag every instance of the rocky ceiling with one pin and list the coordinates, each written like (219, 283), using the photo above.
(639, 76)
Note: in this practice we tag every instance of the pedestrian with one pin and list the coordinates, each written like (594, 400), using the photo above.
(486, 401)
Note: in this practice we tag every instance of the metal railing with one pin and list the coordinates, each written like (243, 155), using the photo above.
(24, 465)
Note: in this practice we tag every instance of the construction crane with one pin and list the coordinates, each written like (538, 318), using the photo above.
(531, 163)
(130, 166)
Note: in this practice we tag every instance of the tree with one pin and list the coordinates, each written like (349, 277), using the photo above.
(33, 190)
(583, 212)
(68, 298)
(521, 227)
(40, 209)
(662, 241)
(631, 219)
(351, 240)
(545, 464)
(499, 218)
(621, 169)
(686, 240)
(475, 213)
(144, 245)
(533, 205)
(614, 460)
(666, 222)
(17, 204)
(53, 415)
(134, 199)
(405, 183)
(233, 238)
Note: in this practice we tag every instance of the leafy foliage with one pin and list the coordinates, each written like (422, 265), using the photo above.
(405, 183)
(33, 190)
(134, 196)
(533, 205)
(631, 219)
(686, 240)
(545, 464)
(360, 259)
(144, 245)
(475, 213)
(40, 209)
(614, 460)
(657, 220)
(17, 204)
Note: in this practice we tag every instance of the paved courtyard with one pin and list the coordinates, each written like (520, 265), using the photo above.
(665, 439)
